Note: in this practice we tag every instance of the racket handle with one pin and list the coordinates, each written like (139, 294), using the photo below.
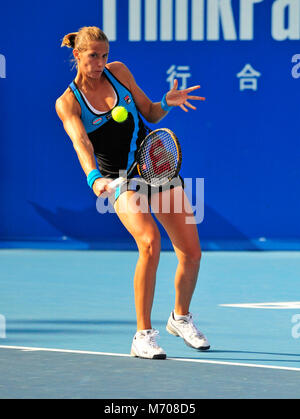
(115, 183)
(112, 186)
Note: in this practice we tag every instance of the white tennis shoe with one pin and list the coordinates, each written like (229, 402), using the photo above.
(186, 329)
(144, 345)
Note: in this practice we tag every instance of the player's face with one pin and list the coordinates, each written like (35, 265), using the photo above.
(92, 61)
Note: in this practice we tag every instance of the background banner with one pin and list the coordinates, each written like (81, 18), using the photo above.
(243, 140)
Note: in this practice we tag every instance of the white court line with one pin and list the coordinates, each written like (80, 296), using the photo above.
(200, 361)
(70, 351)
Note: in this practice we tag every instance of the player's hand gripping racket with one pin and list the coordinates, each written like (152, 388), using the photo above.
(158, 159)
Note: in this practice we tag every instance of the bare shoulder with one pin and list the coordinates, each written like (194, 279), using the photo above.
(118, 67)
(121, 71)
(67, 104)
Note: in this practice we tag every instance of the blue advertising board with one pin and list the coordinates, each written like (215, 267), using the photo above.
(242, 142)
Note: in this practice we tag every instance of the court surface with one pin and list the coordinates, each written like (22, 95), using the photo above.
(67, 320)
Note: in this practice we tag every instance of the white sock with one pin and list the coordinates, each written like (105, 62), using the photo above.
(180, 316)
(144, 332)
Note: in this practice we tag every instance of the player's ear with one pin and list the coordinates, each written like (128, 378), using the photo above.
(76, 54)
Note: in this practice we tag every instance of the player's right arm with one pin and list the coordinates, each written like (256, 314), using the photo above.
(68, 110)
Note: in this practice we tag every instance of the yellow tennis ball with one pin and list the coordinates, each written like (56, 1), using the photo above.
(119, 114)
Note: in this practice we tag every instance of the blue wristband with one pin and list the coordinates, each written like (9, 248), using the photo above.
(92, 176)
(164, 104)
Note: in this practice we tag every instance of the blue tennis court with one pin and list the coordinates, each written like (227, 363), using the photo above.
(69, 322)
(67, 261)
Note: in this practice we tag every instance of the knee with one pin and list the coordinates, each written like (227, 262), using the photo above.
(149, 245)
(191, 257)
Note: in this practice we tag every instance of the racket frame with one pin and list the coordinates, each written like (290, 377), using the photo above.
(120, 180)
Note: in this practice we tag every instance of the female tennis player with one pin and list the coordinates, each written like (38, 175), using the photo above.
(104, 147)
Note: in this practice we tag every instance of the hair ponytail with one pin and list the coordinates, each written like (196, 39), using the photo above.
(81, 38)
(69, 40)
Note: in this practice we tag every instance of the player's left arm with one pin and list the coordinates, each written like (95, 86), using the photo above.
(152, 111)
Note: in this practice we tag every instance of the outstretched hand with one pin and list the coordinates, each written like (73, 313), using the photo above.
(181, 98)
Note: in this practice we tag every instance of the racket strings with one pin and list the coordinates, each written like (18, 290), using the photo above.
(159, 159)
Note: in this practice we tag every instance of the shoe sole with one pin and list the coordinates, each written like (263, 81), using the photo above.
(158, 356)
(175, 333)
(161, 356)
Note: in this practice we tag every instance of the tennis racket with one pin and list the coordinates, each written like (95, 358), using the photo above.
(158, 159)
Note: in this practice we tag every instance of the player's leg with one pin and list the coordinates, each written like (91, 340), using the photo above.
(185, 240)
(186, 243)
(143, 228)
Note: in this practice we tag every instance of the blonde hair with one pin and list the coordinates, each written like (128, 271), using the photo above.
(80, 39)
